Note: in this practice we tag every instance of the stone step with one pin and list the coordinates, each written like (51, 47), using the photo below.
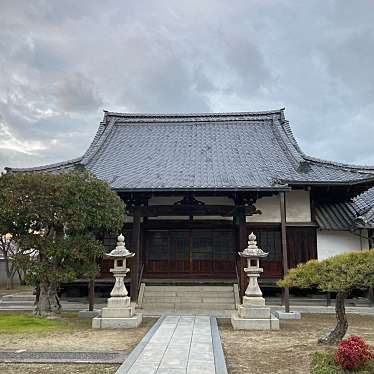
(15, 302)
(173, 298)
(189, 288)
(188, 306)
(18, 297)
(207, 306)
(217, 295)
(202, 298)
(160, 306)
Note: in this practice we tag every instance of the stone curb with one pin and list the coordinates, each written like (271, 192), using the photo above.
(63, 357)
(135, 353)
(219, 357)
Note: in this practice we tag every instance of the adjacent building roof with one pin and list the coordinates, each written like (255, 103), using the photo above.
(336, 216)
(364, 204)
(247, 150)
(355, 214)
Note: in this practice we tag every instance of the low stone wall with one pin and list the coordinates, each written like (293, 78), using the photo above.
(3, 277)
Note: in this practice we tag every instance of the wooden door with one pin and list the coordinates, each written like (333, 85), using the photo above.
(202, 251)
(167, 252)
(190, 252)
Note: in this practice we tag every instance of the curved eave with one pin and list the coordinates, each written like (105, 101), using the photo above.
(331, 183)
(50, 167)
(202, 189)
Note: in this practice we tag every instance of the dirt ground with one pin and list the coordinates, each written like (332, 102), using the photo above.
(57, 368)
(77, 336)
(285, 351)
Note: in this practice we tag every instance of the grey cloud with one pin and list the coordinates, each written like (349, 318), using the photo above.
(76, 93)
(62, 62)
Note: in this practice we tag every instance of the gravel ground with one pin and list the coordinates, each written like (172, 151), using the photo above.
(286, 351)
(57, 368)
(77, 335)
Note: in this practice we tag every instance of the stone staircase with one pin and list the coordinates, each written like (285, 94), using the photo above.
(178, 298)
(18, 301)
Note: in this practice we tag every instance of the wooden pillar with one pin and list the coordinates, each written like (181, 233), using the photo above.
(242, 242)
(286, 291)
(136, 260)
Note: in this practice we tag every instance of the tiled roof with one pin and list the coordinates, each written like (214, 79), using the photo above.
(247, 150)
(364, 204)
(350, 215)
(335, 216)
(65, 165)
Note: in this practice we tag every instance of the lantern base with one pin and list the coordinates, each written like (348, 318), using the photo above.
(253, 301)
(117, 323)
(239, 323)
(119, 314)
(253, 314)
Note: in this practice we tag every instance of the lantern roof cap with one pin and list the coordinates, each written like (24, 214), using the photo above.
(252, 250)
(120, 251)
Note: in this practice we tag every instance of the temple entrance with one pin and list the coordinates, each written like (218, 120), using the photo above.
(190, 252)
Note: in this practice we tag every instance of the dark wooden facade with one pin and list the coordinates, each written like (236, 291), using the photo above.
(198, 249)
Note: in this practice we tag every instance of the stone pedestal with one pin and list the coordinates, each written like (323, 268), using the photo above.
(119, 313)
(253, 314)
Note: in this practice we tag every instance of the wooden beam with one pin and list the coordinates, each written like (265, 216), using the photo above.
(286, 291)
(193, 210)
(136, 259)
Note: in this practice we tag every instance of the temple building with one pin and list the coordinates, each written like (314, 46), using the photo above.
(196, 185)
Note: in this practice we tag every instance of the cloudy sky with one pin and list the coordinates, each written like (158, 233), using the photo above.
(63, 61)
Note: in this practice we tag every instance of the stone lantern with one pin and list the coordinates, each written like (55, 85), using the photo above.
(253, 270)
(253, 314)
(119, 312)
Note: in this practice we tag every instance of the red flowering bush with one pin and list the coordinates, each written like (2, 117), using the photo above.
(353, 353)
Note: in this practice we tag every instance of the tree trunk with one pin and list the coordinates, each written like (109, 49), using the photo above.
(9, 276)
(91, 294)
(48, 302)
(341, 327)
(10, 282)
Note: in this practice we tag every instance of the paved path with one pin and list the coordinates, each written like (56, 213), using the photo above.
(176, 345)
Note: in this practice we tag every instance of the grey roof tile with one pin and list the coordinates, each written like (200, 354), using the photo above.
(335, 216)
(249, 150)
(364, 205)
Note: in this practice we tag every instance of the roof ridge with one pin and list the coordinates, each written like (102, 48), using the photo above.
(191, 115)
(288, 141)
(289, 133)
(362, 168)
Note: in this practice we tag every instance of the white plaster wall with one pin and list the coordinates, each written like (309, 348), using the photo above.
(297, 206)
(331, 243)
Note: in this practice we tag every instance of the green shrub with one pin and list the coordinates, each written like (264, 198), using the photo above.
(324, 363)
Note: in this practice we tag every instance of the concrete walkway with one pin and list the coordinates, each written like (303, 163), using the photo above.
(176, 345)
